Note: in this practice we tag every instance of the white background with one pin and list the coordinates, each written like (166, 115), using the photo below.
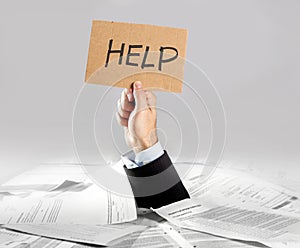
(249, 49)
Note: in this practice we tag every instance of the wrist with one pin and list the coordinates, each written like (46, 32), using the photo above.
(143, 144)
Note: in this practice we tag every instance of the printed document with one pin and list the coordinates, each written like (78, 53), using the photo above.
(96, 235)
(25, 200)
(10, 239)
(252, 224)
(240, 188)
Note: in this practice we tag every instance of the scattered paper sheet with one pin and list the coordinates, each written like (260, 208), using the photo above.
(24, 191)
(10, 239)
(79, 202)
(91, 206)
(71, 186)
(198, 239)
(233, 222)
(241, 188)
(158, 236)
(97, 235)
(166, 235)
(154, 237)
(45, 176)
(229, 204)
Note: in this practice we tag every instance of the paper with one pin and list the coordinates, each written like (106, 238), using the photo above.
(121, 53)
(10, 239)
(233, 222)
(68, 202)
(154, 237)
(92, 206)
(243, 189)
(45, 176)
(97, 235)
(25, 190)
(198, 239)
(166, 235)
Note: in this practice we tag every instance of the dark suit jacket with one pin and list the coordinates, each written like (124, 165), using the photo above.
(156, 184)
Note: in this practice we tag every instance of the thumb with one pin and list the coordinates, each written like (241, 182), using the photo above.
(151, 100)
(140, 96)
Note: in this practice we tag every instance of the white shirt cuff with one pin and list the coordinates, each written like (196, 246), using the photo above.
(132, 160)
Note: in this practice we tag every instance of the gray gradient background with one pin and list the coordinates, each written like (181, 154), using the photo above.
(249, 49)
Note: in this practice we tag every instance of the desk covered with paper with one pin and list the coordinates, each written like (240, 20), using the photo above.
(57, 205)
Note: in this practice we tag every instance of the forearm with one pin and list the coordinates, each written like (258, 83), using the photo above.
(156, 184)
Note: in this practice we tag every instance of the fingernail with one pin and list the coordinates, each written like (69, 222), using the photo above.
(138, 85)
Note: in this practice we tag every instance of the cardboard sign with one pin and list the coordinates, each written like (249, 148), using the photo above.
(121, 53)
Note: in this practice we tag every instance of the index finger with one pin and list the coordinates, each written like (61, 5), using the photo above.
(126, 104)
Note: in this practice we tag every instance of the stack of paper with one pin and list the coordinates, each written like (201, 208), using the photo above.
(60, 201)
(237, 206)
(230, 209)
(28, 200)
(240, 188)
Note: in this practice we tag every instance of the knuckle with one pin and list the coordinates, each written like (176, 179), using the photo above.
(128, 107)
(124, 122)
(123, 114)
(121, 120)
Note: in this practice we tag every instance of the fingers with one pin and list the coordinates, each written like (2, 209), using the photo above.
(125, 106)
(122, 121)
(139, 96)
(123, 113)
(126, 102)
(136, 99)
(130, 95)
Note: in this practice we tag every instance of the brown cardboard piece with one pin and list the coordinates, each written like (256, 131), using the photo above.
(121, 53)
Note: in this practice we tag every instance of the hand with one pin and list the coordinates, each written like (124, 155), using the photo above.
(137, 114)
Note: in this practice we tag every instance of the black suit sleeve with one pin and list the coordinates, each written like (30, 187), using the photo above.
(156, 184)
